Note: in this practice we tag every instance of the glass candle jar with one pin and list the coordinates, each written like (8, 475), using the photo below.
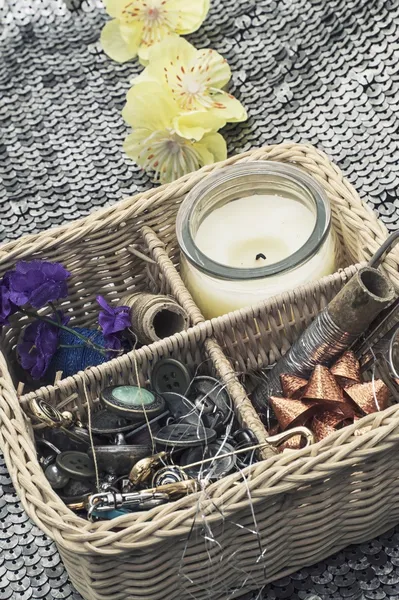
(251, 231)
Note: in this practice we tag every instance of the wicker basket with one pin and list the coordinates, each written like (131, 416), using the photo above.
(250, 527)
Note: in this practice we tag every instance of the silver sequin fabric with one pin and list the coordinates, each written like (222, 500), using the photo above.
(311, 71)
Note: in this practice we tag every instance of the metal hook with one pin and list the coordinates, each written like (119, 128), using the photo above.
(280, 438)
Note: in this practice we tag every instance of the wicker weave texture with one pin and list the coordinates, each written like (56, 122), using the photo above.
(346, 479)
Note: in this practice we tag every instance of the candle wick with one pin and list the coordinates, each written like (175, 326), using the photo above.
(260, 255)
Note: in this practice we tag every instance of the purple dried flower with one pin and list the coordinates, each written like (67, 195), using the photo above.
(37, 283)
(112, 343)
(113, 319)
(39, 344)
(7, 308)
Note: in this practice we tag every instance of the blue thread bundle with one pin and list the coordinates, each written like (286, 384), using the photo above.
(72, 360)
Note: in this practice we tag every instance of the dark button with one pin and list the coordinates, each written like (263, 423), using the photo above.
(77, 465)
(170, 375)
(141, 434)
(132, 402)
(184, 436)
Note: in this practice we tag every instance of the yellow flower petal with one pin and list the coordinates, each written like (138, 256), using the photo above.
(117, 47)
(133, 145)
(192, 13)
(162, 152)
(194, 125)
(115, 7)
(146, 50)
(173, 49)
(219, 71)
(194, 78)
(170, 156)
(132, 34)
(150, 106)
(212, 144)
(228, 107)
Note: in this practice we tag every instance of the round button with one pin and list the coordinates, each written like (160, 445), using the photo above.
(170, 375)
(132, 402)
(184, 436)
(77, 465)
(244, 437)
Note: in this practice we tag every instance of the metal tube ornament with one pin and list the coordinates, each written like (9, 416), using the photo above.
(334, 330)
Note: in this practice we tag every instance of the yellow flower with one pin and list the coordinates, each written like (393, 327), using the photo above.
(191, 125)
(156, 146)
(195, 79)
(139, 24)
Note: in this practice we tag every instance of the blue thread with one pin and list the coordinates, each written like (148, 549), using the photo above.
(72, 360)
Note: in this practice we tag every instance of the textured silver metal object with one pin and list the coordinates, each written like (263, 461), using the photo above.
(322, 341)
(347, 316)
(105, 501)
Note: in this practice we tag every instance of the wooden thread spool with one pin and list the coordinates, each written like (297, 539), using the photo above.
(155, 317)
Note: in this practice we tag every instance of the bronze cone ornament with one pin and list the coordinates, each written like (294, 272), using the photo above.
(292, 385)
(370, 397)
(330, 400)
(347, 370)
(290, 413)
(322, 386)
(326, 423)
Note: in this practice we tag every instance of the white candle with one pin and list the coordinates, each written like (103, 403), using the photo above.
(253, 231)
(239, 231)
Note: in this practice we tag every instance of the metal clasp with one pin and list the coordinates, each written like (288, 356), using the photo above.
(280, 438)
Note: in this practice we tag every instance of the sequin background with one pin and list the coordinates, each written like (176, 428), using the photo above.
(312, 71)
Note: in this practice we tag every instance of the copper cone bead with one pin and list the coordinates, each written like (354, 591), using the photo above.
(370, 397)
(292, 385)
(326, 423)
(322, 386)
(347, 369)
(290, 413)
